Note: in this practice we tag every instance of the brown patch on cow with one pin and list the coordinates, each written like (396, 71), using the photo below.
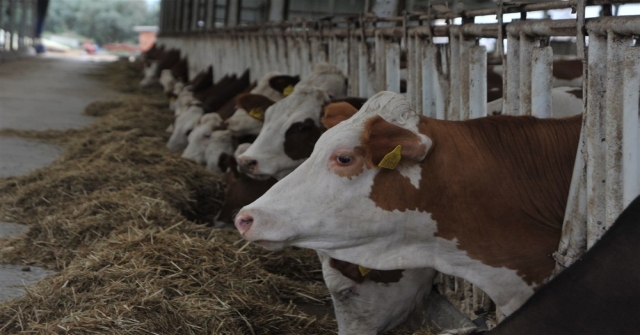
(381, 137)
(576, 93)
(336, 112)
(300, 139)
(180, 70)
(351, 271)
(202, 81)
(223, 100)
(356, 102)
(249, 101)
(497, 185)
(280, 83)
(567, 69)
(169, 59)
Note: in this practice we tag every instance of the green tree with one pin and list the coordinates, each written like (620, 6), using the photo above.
(104, 21)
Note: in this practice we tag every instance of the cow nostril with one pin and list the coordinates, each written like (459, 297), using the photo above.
(243, 222)
(251, 163)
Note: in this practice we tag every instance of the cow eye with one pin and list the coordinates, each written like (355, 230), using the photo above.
(344, 159)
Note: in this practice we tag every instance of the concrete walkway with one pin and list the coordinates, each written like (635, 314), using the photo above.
(39, 93)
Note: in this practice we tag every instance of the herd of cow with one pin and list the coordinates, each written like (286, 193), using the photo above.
(388, 197)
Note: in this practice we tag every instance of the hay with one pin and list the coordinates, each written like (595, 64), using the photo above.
(118, 217)
(121, 220)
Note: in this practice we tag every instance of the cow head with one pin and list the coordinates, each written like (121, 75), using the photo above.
(328, 78)
(150, 77)
(369, 301)
(219, 147)
(249, 115)
(291, 126)
(275, 86)
(200, 137)
(183, 125)
(326, 203)
(167, 81)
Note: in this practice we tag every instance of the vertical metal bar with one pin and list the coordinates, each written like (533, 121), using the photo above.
(526, 48)
(354, 65)
(305, 52)
(465, 60)
(541, 81)
(596, 171)
(195, 15)
(392, 66)
(410, 66)
(282, 54)
(416, 71)
(12, 15)
(342, 54)
(453, 112)
(177, 16)
(23, 24)
(363, 69)
(631, 126)
(380, 63)
(511, 77)
(211, 15)
(616, 45)
(292, 55)
(429, 82)
(185, 15)
(477, 81)
(2, 27)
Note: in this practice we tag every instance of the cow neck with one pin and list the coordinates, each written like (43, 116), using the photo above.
(496, 186)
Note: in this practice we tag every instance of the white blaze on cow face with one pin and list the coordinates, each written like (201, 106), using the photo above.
(370, 305)
(220, 145)
(241, 123)
(167, 81)
(150, 75)
(296, 116)
(200, 137)
(183, 126)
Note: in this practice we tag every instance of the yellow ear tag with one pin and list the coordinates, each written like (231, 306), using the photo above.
(287, 90)
(257, 113)
(363, 271)
(391, 160)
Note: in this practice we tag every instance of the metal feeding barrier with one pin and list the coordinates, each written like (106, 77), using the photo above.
(449, 81)
(17, 26)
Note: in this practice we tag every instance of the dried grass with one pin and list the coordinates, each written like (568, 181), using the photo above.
(117, 216)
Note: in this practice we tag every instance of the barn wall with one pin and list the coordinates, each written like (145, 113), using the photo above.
(448, 81)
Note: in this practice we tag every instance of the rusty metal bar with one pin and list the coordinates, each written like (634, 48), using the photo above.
(511, 76)
(616, 45)
(541, 81)
(477, 81)
(596, 170)
(380, 63)
(453, 110)
(631, 126)
(526, 48)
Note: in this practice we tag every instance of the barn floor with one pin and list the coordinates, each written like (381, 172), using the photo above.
(39, 93)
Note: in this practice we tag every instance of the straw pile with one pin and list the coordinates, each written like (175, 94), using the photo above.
(122, 221)
(118, 217)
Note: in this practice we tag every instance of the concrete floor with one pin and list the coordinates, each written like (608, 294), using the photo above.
(39, 93)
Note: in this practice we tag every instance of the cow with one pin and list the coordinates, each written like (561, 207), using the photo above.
(178, 73)
(365, 301)
(183, 126)
(565, 101)
(566, 72)
(481, 199)
(249, 115)
(292, 123)
(201, 136)
(152, 72)
(183, 93)
(598, 294)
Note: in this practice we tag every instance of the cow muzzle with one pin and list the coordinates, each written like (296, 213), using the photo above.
(247, 165)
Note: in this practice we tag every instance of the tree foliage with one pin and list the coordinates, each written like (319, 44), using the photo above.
(104, 21)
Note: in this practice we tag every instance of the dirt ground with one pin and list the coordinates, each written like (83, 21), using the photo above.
(39, 93)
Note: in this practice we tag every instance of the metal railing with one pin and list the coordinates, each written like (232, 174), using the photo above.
(17, 26)
(449, 81)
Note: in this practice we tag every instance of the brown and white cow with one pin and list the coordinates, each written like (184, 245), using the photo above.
(365, 301)
(249, 115)
(598, 294)
(293, 122)
(481, 199)
(153, 69)
(565, 101)
(201, 136)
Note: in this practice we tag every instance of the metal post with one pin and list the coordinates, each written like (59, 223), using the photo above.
(453, 110)
(354, 65)
(631, 126)
(477, 81)
(596, 170)
(12, 15)
(526, 49)
(541, 81)
(195, 15)
(211, 15)
(380, 63)
(186, 11)
(392, 66)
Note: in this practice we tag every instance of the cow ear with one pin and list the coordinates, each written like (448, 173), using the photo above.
(387, 145)
(284, 84)
(335, 113)
(348, 270)
(254, 104)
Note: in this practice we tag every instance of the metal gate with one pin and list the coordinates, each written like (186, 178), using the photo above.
(448, 81)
